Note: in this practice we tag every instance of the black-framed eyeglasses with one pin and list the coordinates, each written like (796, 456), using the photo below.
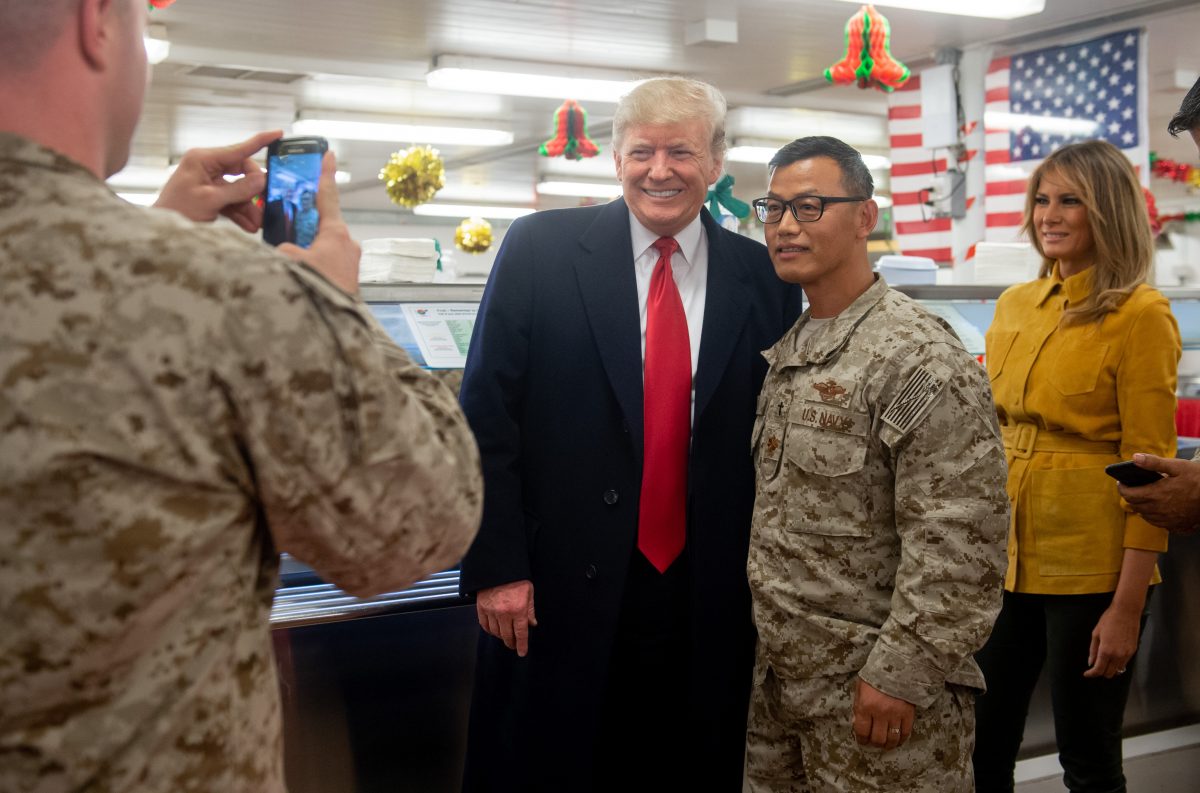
(805, 208)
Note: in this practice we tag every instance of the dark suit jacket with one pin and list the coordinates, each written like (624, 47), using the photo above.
(553, 391)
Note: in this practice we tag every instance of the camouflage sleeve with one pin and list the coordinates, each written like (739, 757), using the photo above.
(951, 513)
(363, 463)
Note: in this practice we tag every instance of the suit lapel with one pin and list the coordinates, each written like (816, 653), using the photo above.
(726, 308)
(608, 289)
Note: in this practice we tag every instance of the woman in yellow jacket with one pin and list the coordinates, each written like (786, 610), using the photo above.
(1082, 363)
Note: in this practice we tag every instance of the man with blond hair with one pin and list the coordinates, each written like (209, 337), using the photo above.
(611, 384)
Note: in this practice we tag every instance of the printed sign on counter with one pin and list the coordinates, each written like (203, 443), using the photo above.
(442, 331)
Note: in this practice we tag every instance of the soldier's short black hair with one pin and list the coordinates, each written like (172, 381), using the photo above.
(1188, 117)
(856, 178)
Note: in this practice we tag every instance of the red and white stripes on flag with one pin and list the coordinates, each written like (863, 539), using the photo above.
(913, 169)
(1101, 81)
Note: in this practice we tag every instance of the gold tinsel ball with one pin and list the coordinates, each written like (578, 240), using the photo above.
(473, 235)
(412, 176)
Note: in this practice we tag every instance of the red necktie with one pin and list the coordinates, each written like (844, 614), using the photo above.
(667, 407)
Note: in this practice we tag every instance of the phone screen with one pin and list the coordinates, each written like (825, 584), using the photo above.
(290, 214)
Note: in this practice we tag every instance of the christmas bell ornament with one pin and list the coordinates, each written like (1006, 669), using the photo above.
(570, 134)
(868, 61)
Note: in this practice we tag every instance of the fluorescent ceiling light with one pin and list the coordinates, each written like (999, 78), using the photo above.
(763, 154)
(993, 9)
(141, 199)
(401, 133)
(471, 211)
(599, 167)
(784, 124)
(492, 192)
(580, 189)
(512, 78)
(394, 97)
(156, 44)
(146, 177)
(1053, 125)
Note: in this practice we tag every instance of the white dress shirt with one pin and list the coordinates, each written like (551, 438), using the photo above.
(689, 266)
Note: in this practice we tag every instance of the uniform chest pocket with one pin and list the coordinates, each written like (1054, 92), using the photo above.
(998, 345)
(824, 452)
(828, 492)
(1077, 368)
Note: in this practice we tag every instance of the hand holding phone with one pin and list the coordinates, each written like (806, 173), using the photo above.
(334, 253)
(293, 176)
(1130, 474)
(200, 190)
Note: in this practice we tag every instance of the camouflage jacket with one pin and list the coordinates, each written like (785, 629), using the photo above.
(179, 404)
(877, 542)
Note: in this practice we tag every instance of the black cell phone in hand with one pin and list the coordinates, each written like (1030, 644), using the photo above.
(293, 173)
(1128, 473)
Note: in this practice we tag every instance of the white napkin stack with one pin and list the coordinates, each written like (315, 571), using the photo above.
(1006, 262)
(392, 259)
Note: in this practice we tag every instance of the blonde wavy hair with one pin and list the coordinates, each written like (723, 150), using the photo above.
(1103, 179)
(670, 100)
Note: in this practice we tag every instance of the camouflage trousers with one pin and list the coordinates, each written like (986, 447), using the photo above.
(800, 740)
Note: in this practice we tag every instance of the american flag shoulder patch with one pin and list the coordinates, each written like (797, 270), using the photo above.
(909, 405)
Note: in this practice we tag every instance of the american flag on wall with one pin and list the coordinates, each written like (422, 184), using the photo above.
(913, 168)
(1040, 100)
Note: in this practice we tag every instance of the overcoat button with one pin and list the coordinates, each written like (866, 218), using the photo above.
(610, 497)
(591, 572)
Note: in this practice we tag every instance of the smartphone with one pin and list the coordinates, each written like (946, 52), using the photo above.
(293, 173)
(1128, 473)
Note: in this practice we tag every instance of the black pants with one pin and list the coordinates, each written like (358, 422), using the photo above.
(1054, 630)
(642, 745)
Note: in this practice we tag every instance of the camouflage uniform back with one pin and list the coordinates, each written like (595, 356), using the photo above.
(170, 393)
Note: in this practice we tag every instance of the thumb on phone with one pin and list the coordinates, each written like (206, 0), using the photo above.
(1170, 467)
(328, 205)
(333, 252)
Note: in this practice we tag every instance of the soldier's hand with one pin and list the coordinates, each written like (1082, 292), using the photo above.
(881, 720)
(1172, 503)
(198, 189)
(506, 612)
(333, 252)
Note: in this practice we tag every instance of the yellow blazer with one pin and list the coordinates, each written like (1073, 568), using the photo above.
(1072, 399)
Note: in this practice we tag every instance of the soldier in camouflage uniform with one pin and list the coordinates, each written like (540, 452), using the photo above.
(877, 545)
(179, 404)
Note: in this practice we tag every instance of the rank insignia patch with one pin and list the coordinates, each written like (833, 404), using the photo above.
(832, 393)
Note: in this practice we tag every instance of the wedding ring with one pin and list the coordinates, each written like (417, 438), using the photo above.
(1120, 671)
(896, 730)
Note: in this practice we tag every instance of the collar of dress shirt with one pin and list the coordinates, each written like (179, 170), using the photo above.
(688, 239)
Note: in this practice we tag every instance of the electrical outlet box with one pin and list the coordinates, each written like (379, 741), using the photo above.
(958, 193)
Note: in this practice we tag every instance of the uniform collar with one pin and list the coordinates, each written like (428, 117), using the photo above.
(831, 337)
(14, 148)
(1077, 287)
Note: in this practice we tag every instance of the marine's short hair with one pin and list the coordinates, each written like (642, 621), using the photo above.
(28, 28)
(856, 177)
